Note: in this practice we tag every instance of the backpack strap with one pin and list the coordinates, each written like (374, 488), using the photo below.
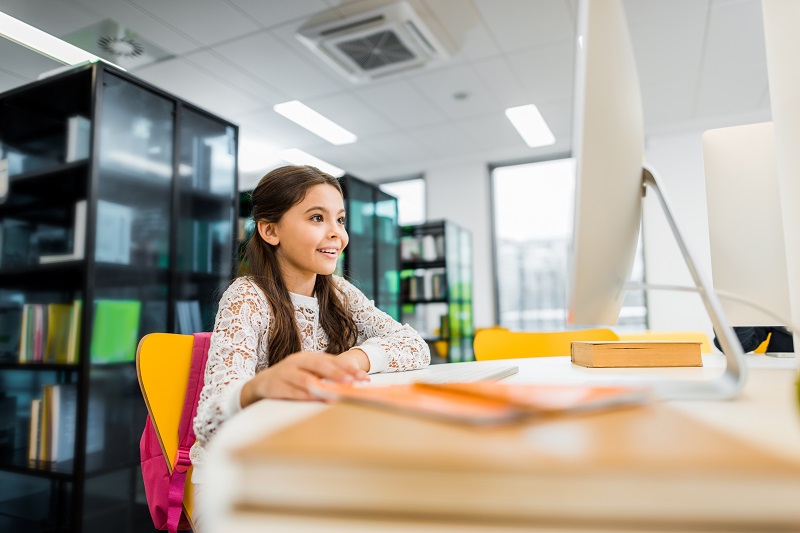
(186, 437)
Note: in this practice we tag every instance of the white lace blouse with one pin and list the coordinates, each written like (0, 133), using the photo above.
(239, 343)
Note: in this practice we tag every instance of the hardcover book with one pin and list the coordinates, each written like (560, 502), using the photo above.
(611, 354)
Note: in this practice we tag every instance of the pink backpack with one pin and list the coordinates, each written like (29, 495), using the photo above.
(164, 491)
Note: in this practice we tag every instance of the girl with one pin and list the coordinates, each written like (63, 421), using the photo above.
(290, 322)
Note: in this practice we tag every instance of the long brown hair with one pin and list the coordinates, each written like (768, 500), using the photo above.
(275, 194)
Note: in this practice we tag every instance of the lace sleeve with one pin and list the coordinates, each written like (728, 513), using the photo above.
(233, 355)
(391, 347)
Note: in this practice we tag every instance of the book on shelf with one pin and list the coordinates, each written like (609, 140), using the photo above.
(35, 429)
(187, 317)
(57, 332)
(619, 466)
(115, 334)
(63, 421)
(53, 423)
(113, 238)
(49, 333)
(4, 178)
(79, 140)
(612, 354)
(78, 238)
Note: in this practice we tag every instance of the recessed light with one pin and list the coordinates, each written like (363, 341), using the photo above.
(530, 124)
(304, 116)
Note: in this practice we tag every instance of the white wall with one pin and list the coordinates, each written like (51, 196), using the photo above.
(678, 161)
(460, 193)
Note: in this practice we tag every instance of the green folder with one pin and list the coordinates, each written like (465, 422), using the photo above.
(116, 331)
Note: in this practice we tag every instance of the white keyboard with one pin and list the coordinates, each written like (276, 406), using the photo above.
(447, 373)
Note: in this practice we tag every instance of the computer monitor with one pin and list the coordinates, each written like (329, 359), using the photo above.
(745, 227)
(608, 145)
(781, 20)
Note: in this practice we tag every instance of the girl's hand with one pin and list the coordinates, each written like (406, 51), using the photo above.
(357, 358)
(292, 378)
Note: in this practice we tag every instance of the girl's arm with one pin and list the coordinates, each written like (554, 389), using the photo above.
(242, 319)
(390, 346)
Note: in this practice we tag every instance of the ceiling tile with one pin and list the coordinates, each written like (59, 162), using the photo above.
(271, 14)
(468, 36)
(442, 86)
(735, 58)
(207, 21)
(546, 73)
(667, 42)
(10, 80)
(491, 131)
(444, 140)
(23, 62)
(236, 75)
(351, 113)
(502, 81)
(167, 36)
(56, 17)
(197, 86)
(269, 59)
(397, 147)
(401, 103)
(517, 25)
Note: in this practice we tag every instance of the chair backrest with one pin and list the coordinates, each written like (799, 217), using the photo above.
(163, 361)
(762, 348)
(697, 336)
(500, 344)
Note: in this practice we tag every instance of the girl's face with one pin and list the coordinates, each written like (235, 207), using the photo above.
(310, 236)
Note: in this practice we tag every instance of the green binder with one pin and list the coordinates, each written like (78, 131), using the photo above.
(116, 331)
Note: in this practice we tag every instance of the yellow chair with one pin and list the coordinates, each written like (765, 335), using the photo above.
(503, 344)
(162, 365)
(698, 336)
(762, 348)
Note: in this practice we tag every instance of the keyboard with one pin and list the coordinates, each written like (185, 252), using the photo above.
(447, 373)
(465, 373)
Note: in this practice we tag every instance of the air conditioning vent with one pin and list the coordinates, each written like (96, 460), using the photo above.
(374, 44)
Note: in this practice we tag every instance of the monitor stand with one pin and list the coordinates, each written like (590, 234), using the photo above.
(730, 383)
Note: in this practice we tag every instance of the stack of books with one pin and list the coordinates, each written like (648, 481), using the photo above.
(50, 333)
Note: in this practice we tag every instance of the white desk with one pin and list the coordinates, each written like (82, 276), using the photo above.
(765, 415)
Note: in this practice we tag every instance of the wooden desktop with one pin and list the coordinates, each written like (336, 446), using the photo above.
(672, 466)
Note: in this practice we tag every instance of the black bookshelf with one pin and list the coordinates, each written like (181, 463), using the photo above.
(436, 287)
(130, 195)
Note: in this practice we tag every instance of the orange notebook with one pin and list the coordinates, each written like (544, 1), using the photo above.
(485, 402)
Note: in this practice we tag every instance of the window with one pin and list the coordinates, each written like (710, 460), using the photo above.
(410, 196)
(533, 219)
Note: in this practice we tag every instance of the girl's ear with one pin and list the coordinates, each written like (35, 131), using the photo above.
(267, 232)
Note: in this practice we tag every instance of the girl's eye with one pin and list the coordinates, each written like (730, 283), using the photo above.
(341, 221)
(316, 218)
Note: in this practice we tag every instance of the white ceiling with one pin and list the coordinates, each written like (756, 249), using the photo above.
(701, 64)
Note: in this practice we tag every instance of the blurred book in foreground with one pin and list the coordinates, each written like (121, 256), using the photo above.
(614, 468)
(485, 402)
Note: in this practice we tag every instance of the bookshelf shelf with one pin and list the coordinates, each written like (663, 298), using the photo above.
(19, 463)
(59, 170)
(439, 263)
(436, 287)
(40, 367)
(105, 167)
